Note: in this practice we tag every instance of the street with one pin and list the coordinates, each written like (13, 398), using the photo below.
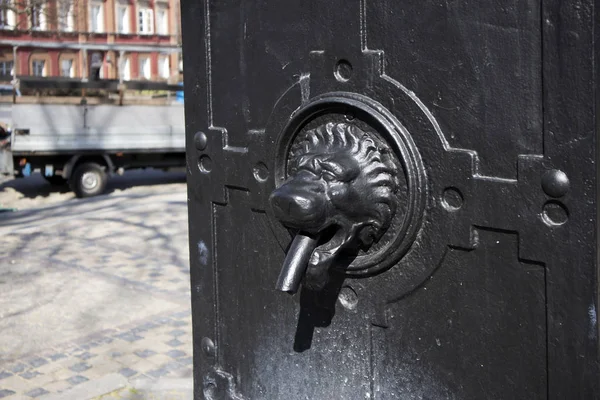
(95, 292)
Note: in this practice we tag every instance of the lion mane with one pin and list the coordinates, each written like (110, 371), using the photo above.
(377, 176)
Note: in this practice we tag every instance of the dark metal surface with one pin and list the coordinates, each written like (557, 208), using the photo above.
(466, 269)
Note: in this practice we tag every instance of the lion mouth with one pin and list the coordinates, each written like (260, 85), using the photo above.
(331, 243)
(330, 237)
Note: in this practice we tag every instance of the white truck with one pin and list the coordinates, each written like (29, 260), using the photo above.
(83, 144)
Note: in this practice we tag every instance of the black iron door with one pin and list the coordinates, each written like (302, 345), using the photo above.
(392, 199)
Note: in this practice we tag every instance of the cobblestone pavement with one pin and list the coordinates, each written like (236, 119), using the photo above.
(94, 288)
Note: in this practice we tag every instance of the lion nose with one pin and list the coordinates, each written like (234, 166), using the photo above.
(297, 208)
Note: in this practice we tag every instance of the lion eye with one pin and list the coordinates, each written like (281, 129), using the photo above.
(329, 176)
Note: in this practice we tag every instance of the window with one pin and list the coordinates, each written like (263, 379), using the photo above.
(163, 67)
(145, 68)
(122, 18)
(66, 68)
(7, 14)
(4, 8)
(38, 21)
(65, 15)
(39, 67)
(96, 66)
(6, 68)
(145, 20)
(162, 21)
(126, 69)
(96, 18)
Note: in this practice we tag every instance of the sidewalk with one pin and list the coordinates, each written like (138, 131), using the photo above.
(96, 295)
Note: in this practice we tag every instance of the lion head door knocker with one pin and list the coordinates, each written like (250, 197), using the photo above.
(340, 196)
(350, 189)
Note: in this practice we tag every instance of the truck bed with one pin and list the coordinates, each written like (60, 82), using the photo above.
(59, 128)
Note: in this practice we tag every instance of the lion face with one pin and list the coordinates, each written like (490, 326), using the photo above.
(341, 188)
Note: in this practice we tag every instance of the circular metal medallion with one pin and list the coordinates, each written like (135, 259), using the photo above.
(370, 176)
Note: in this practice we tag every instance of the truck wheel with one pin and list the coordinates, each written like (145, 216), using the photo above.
(55, 180)
(88, 179)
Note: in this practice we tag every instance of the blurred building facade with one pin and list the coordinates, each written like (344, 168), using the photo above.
(91, 39)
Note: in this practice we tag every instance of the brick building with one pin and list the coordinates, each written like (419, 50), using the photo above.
(111, 39)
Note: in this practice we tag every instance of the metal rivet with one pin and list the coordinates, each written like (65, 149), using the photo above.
(555, 183)
(208, 347)
(205, 164)
(555, 213)
(452, 199)
(343, 71)
(348, 298)
(261, 172)
(200, 140)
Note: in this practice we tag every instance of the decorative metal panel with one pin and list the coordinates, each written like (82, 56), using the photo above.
(418, 176)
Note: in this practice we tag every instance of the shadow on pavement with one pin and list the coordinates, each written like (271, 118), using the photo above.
(33, 186)
(36, 186)
(148, 177)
